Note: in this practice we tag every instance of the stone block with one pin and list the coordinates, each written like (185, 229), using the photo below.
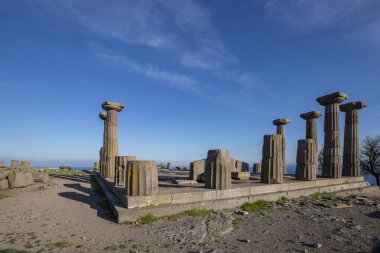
(197, 168)
(257, 168)
(141, 178)
(307, 160)
(218, 169)
(4, 174)
(240, 175)
(16, 179)
(29, 179)
(2, 165)
(120, 168)
(241, 166)
(40, 176)
(169, 166)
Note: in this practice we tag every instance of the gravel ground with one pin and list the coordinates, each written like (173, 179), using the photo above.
(70, 215)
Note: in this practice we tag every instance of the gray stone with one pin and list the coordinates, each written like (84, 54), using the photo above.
(272, 167)
(197, 168)
(184, 181)
(257, 168)
(14, 164)
(2, 165)
(351, 149)
(307, 160)
(111, 147)
(218, 169)
(141, 178)
(281, 123)
(331, 153)
(169, 166)
(96, 166)
(29, 179)
(40, 176)
(121, 166)
(240, 175)
(4, 174)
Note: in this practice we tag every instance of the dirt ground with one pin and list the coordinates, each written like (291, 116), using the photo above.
(71, 215)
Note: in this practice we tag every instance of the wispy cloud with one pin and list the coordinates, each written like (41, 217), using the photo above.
(175, 80)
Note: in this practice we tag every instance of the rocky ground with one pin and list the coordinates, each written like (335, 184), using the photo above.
(70, 215)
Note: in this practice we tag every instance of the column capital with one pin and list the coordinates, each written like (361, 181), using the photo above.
(108, 105)
(336, 97)
(103, 115)
(352, 106)
(311, 115)
(279, 122)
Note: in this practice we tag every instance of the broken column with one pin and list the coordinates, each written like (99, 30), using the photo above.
(280, 123)
(141, 178)
(25, 165)
(120, 168)
(311, 129)
(197, 170)
(169, 166)
(241, 166)
(257, 168)
(103, 116)
(272, 165)
(331, 150)
(111, 147)
(96, 166)
(351, 151)
(307, 160)
(218, 169)
(14, 164)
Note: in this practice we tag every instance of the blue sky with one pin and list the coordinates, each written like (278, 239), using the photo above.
(194, 75)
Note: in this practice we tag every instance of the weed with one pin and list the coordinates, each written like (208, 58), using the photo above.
(192, 213)
(147, 219)
(257, 206)
(317, 195)
(60, 245)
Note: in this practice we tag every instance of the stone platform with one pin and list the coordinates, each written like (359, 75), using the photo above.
(173, 198)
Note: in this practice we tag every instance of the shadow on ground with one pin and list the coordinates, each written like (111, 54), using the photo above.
(86, 195)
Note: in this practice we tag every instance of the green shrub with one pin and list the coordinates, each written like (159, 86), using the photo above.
(256, 206)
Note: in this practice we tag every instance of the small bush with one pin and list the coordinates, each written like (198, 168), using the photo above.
(256, 206)
(283, 199)
(192, 213)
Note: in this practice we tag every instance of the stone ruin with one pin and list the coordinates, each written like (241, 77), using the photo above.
(20, 175)
(138, 181)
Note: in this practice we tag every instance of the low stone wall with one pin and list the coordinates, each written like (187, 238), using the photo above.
(167, 204)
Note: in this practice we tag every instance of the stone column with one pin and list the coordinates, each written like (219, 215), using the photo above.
(307, 160)
(311, 124)
(331, 150)
(351, 151)
(272, 168)
(120, 168)
(111, 146)
(103, 116)
(218, 169)
(257, 168)
(280, 123)
(141, 178)
(14, 164)
(169, 166)
(197, 168)
(96, 166)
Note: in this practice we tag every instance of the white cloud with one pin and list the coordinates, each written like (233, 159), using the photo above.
(175, 80)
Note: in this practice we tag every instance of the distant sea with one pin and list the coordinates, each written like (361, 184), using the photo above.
(291, 170)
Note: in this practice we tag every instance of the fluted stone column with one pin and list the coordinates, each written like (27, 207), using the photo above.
(102, 163)
(96, 166)
(111, 148)
(169, 166)
(307, 160)
(218, 169)
(331, 151)
(257, 168)
(280, 123)
(141, 178)
(351, 151)
(311, 129)
(25, 165)
(120, 168)
(14, 164)
(272, 168)
(197, 168)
